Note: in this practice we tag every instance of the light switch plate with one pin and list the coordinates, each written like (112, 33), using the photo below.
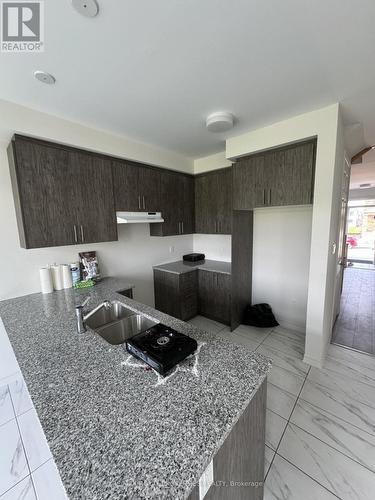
(206, 479)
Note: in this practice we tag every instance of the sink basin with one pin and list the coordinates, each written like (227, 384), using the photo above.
(104, 316)
(118, 332)
(118, 323)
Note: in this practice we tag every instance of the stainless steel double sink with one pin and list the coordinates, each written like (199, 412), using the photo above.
(118, 323)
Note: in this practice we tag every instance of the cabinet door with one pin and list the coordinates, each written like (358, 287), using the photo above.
(204, 222)
(149, 188)
(188, 206)
(125, 186)
(289, 175)
(299, 168)
(166, 288)
(44, 192)
(189, 295)
(96, 215)
(170, 206)
(248, 183)
(224, 201)
(223, 293)
(206, 299)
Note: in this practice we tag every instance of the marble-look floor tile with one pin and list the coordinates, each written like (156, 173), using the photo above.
(24, 490)
(48, 483)
(275, 426)
(352, 358)
(280, 401)
(291, 334)
(339, 403)
(13, 465)
(285, 379)
(34, 440)
(286, 345)
(349, 366)
(20, 396)
(284, 360)
(206, 324)
(253, 333)
(268, 457)
(339, 474)
(6, 407)
(237, 339)
(342, 436)
(357, 391)
(286, 482)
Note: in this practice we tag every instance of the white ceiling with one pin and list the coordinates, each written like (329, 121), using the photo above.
(153, 69)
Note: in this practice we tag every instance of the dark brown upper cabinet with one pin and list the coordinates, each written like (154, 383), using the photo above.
(136, 187)
(95, 210)
(176, 205)
(278, 177)
(213, 202)
(62, 196)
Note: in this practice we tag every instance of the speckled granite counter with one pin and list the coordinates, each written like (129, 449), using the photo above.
(116, 429)
(180, 266)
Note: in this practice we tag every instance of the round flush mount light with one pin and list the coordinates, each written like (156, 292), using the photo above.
(219, 122)
(44, 77)
(88, 8)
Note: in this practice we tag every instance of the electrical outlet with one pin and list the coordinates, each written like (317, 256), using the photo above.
(205, 481)
(171, 249)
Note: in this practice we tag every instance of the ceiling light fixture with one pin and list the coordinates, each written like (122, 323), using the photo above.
(220, 121)
(88, 8)
(44, 77)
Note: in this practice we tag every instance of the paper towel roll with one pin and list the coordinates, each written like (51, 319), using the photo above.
(66, 276)
(57, 277)
(46, 283)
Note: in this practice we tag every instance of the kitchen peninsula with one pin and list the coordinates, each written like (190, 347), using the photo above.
(117, 429)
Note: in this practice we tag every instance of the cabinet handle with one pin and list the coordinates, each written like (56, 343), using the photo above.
(270, 196)
(182, 227)
(179, 228)
(264, 196)
(144, 204)
(215, 226)
(82, 234)
(75, 234)
(139, 202)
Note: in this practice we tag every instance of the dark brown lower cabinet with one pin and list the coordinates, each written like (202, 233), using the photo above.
(185, 295)
(176, 294)
(238, 466)
(214, 295)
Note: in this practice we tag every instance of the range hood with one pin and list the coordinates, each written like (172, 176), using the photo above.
(138, 217)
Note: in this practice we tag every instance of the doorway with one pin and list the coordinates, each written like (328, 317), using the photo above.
(361, 234)
(355, 324)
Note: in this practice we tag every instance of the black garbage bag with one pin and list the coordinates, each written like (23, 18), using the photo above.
(260, 315)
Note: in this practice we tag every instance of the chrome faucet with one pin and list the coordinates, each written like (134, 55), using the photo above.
(82, 318)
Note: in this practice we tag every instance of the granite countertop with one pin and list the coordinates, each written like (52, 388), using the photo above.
(116, 428)
(180, 266)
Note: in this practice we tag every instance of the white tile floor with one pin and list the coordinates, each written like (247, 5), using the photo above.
(320, 424)
(27, 469)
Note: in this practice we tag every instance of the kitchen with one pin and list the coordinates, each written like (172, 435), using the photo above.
(153, 186)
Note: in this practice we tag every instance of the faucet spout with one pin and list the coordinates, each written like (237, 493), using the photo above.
(82, 318)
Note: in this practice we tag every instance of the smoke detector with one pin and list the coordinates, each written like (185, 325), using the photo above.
(219, 122)
(44, 77)
(88, 8)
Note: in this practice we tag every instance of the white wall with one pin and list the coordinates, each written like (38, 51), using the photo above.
(135, 252)
(281, 258)
(323, 124)
(214, 246)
